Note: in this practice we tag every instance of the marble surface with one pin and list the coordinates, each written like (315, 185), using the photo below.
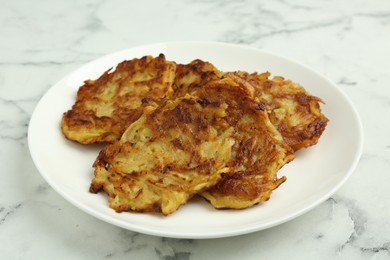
(42, 41)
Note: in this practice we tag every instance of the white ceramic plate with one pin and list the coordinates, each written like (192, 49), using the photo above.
(312, 177)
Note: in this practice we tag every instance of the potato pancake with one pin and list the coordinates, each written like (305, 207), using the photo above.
(194, 75)
(105, 107)
(259, 152)
(185, 147)
(295, 113)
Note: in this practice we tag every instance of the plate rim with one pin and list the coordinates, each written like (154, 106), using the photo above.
(174, 233)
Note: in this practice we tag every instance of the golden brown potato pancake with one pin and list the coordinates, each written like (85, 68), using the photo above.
(175, 151)
(194, 75)
(295, 113)
(105, 107)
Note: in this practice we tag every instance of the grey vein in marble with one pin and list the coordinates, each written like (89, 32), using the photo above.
(6, 213)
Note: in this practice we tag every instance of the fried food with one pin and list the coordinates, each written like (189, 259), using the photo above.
(295, 113)
(183, 148)
(259, 152)
(178, 130)
(105, 107)
(192, 76)
(245, 188)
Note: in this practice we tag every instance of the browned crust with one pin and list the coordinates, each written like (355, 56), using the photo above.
(303, 123)
(186, 124)
(106, 106)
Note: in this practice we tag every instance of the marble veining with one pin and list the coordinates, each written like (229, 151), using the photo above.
(8, 212)
(43, 41)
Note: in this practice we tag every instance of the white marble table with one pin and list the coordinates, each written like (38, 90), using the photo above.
(42, 41)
